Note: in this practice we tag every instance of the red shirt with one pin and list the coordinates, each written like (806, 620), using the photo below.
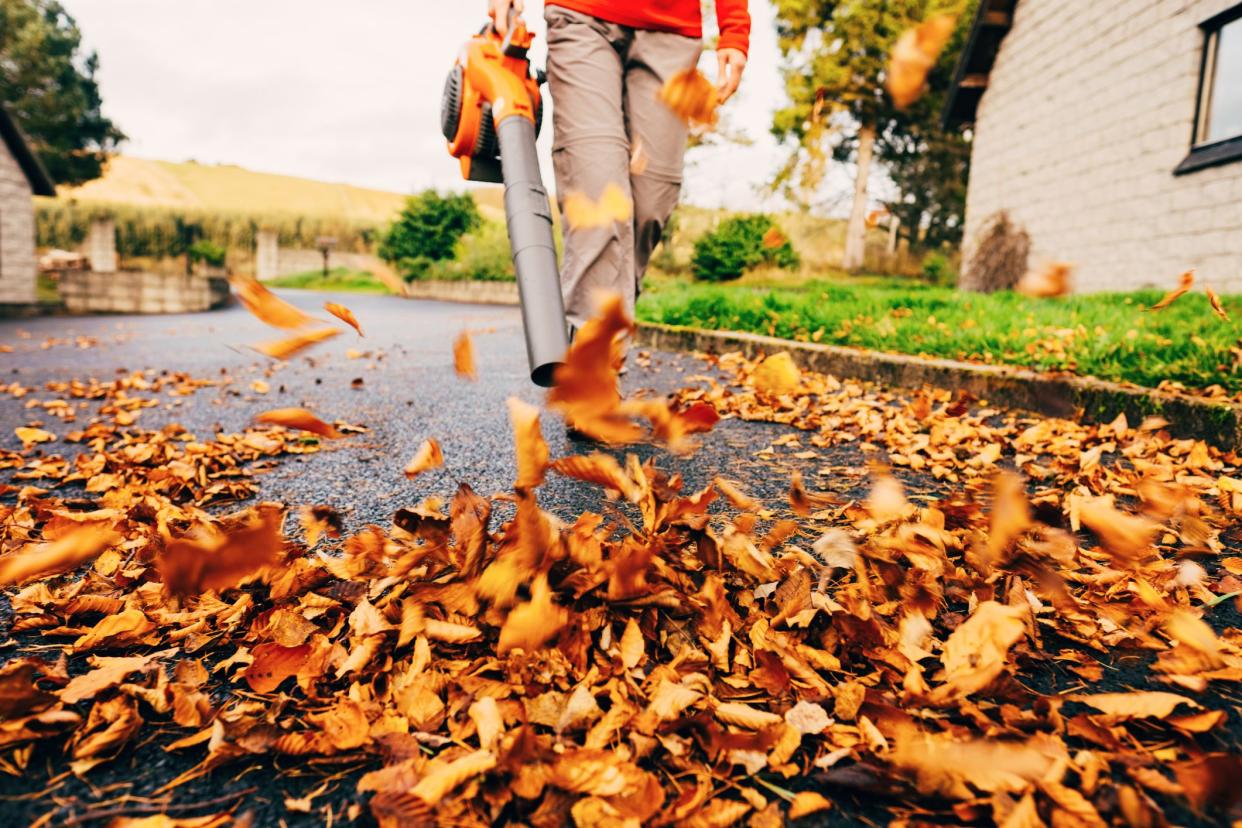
(681, 16)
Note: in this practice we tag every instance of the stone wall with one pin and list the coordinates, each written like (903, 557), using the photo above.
(17, 233)
(132, 291)
(271, 261)
(1089, 109)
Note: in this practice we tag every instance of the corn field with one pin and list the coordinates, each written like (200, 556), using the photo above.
(158, 232)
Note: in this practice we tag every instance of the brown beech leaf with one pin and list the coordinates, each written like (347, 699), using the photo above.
(777, 375)
(978, 650)
(956, 768)
(532, 624)
(734, 494)
(1218, 307)
(1140, 704)
(600, 469)
(582, 212)
(299, 419)
(426, 458)
(532, 449)
(1126, 537)
(773, 238)
(433, 787)
(914, 55)
(66, 552)
(273, 663)
(218, 558)
(269, 307)
(30, 436)
(1052, 281)
(691, 97)
(463, 356)
(633, 645)
(344, 314)
(109, 672)
(807, 802)
(287, 347)
(318, 521)
(586, 390)
(1185, 282)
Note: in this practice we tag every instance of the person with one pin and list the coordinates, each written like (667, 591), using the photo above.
(607, 62)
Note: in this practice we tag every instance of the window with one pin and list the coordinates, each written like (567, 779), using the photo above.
(1218, 115)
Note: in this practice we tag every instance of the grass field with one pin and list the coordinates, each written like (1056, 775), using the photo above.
(1107, 335)
(338, 279)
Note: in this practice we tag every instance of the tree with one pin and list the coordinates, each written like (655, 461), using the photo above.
(48, 83)
(427, 230)
(836, 52)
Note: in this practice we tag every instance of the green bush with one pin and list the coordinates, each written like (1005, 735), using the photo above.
(427, 231)
(482, 255)
(938, 270)
(208, 252)
(738, 244)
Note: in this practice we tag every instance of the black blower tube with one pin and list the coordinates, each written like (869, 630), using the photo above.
(529, 216)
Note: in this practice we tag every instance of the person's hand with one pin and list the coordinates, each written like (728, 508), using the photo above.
(731, 63)
(498, 11)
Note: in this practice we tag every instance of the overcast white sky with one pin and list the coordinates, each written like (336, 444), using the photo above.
(347, 91)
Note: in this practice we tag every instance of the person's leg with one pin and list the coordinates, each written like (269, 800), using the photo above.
(590, 151)
(658, 135)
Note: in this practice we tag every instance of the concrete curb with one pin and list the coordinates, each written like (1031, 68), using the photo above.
(479, 293)
(1054, 395)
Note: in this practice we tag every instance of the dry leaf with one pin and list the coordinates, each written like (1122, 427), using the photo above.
(532, 624)
(532, 449)
(1138, 704)
(1185, 283)
(614, 206)
(914, 55)
(269, 307)
(29, 436)
(600, 469)
(285, 348)
(691, 97)
(463, 356)
(300, 419)
(586, 390)
(344, 314)
(633, 645)
(807, 802)
(1218, 307)
(773, 238)
(977, 651)
(433, 787)
(66, 552)
(217, 558)
(108, 672)
(777, 375)
(427, 457)
(1052, 281)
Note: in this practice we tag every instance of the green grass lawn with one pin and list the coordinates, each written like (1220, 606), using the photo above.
(1106, 335)
(338, 279)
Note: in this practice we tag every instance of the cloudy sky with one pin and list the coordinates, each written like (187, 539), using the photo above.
(304, 88)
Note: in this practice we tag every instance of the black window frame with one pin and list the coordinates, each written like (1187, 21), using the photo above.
(1223, 151)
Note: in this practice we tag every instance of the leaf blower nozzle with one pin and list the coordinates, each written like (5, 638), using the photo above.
(491, 115)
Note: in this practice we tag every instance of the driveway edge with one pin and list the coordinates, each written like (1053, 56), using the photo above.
(1054, 395)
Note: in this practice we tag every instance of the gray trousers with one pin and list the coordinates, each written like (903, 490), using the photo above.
(605, 80)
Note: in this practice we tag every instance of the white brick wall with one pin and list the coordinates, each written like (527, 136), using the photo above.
(1088, 110)
(17, 232)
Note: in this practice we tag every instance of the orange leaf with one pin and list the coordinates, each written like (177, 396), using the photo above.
(773, 238)
(1186, 282)
(532, 450)
(463, 356)
(285, 348)
(614, 205)
(1126, 537)
(914, 55)
(776, 375)
(531, 625)
(600, 469)
(427, 457)
(1141, 704)
(1217, 307)
(29, 436)
(300, 419)
(273, 664)
(108, 672)
(691, 97)
(219, 559)
(269, 307)
(978, 650)
(66, 552)
(1053, 280)
(734, 494)
(344, 314)
(586, 383)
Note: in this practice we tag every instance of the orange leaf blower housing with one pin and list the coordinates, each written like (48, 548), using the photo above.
(491, 81)
(491, 116)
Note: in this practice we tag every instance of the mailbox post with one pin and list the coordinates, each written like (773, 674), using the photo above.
(325, 245)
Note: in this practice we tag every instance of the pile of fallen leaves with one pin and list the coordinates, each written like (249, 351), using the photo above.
(685, 657)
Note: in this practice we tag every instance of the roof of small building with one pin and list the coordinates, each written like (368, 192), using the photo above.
(40, 182)
(992, 21)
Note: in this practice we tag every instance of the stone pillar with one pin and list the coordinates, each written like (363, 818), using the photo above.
(101, 246)
(266, 255)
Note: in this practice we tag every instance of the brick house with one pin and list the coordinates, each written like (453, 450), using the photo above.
(1112, 131)
(21, 177)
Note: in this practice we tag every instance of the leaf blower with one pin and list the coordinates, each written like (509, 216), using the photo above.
(491, 114)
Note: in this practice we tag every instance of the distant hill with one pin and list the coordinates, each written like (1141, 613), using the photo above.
(229, 188)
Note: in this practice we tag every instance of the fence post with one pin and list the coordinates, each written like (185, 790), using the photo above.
(266, 255)
(101, 246)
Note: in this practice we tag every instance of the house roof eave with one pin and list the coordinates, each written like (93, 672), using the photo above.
(993, 19)
(40, 182)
